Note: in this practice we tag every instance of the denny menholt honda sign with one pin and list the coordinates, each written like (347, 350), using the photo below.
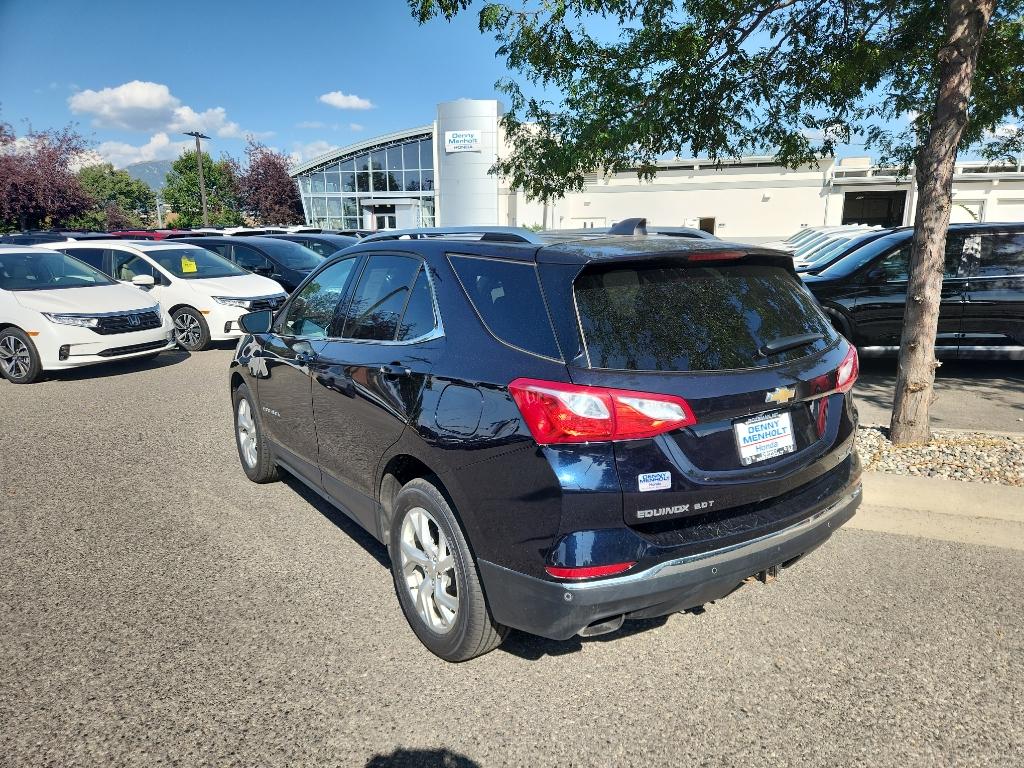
(462, 141)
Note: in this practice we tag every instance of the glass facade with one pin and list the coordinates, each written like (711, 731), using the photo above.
(350, 191)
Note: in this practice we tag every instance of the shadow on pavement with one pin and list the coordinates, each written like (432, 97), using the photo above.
(979, 394)
(532, 648)
(120, 368)
(425, 758)
(342, 521)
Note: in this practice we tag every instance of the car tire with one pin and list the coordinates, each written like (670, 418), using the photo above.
(445, 606)
(190, 329)
(253, 452)
(19, 358)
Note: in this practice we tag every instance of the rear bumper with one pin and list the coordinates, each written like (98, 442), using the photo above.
(560, 610)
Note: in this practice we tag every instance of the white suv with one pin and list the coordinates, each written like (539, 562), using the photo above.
(203, 293)
(56, 312)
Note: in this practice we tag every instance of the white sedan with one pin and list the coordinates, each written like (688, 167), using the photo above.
(57, 312)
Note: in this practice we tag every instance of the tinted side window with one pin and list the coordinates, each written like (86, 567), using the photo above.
(896, 266)
(311, 312)
(91, 256)
(1001, 254)
(250, 258)
(380, 298)
(418, 319)
(507, 297)
(219, 248)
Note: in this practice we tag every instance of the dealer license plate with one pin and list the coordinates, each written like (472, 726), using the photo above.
(765, 437)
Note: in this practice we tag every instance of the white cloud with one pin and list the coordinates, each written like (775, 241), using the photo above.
(345, 100)
(305, 151)
(1005, 131)
(311, 124)
(355, 126)
(137, 106)
(159, 147)
(145, 106)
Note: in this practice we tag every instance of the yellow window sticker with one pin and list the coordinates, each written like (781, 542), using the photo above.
(188, 264)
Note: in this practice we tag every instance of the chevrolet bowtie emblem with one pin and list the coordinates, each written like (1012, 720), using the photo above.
(780, 395)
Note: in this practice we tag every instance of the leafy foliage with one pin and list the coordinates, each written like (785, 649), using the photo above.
(37, 187)
(723, 78)
(268, 194)
(222, 191)
(119, 201)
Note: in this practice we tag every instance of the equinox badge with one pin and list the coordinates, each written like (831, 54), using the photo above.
(780, 395)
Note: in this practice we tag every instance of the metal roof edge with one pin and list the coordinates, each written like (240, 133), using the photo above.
(295, 170)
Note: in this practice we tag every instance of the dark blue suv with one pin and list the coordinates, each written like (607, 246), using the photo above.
(556, 434)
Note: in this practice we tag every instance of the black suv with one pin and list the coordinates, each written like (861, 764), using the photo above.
(286, 262)
(982, 309)
(556, 434)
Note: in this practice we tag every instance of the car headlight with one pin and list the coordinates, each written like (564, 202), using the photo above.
(233, 302)
(80, 321)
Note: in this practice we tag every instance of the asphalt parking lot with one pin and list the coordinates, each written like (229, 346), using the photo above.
(158, 609)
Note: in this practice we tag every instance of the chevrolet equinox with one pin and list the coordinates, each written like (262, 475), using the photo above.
(556, 434)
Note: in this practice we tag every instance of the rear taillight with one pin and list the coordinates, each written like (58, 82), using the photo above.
(557, 412)
(846, 374)
(588, 572)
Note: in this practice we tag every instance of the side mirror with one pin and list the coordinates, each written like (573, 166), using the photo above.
(143, 281)
(257, 322)
(265, 271)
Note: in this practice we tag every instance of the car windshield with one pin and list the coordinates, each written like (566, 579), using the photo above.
(42, 271)
(292, 255)
(194, 263)
(672, 318)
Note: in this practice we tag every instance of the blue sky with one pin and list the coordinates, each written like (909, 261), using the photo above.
(133, 75)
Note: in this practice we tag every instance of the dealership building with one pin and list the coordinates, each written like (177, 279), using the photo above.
(437, 175)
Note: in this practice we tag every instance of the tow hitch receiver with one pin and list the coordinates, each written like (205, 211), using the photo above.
(767, 576)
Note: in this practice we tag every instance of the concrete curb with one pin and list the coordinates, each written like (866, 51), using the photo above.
(980, 514)
(992, 432)
(943, 496)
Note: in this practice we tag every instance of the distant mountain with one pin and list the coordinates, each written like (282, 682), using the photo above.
(153, 172)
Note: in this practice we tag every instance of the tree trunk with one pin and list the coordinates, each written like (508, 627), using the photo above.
(958, 60)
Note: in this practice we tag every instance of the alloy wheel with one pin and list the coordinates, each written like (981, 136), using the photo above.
(428, 568)
(15, 358)
(246, 426)
(187, 329)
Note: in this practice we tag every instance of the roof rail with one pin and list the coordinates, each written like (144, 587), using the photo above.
(634, 227)
(487, 234)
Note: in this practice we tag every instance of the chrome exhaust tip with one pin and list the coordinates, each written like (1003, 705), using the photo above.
(602, 627)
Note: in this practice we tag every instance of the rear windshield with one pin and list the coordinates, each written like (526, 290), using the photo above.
(673, 318)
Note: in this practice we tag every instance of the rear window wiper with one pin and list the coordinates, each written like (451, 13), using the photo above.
(789, 342)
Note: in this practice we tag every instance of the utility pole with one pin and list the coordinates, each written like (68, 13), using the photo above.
(202, 184)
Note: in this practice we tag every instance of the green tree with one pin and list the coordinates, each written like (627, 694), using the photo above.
(120, 202)
(917, 81)
(182, 191)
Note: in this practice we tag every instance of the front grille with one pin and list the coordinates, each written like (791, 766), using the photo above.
(267, 302)
(129, 322)
(133, 348)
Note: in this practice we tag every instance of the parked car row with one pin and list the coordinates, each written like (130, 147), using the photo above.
(863, 289)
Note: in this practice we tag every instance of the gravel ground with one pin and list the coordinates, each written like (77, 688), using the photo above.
(971, 456)
(157, 609)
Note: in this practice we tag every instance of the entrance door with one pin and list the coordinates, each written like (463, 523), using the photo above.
(882, 208)
(383, 217)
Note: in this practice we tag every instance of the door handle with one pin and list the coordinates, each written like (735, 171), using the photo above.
(306, 357)
(395, 369)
